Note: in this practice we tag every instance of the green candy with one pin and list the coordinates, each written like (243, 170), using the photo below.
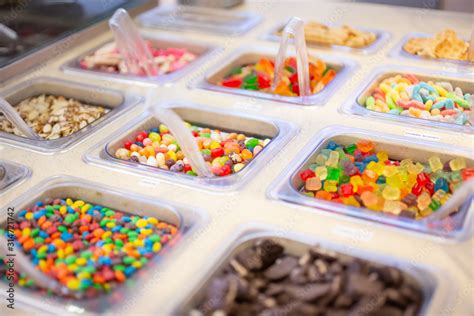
(86, 254)
(251, 143)
(250, 79)
(333, 174)
(236, 71)
(62, 229)
(120, 267)
(128, 260)
(110, 213)
(69, 218)
(154, 238)
(70, 259)
(351, 149)
(35, 232)
(370, 103)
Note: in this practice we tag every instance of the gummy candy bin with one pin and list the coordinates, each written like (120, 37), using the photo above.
(245, 56)
(397, 148)
(187, 219)
(278, 131)
(116, 101)
(381, 38)
(356, 106)
(297, 244)
(202, 51)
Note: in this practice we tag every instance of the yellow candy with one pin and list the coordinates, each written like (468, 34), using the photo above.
(152, 220)
(26, 232)
(457, 164)
(138, 243)
(351, 201)
(73, 284)
(390, 171)
(442, 92)
(156, 247)
(44, 248)
(84, 275)
(29, 215)
(85, 208)
(147, 232)
(435, 163)
(321, 172)
(171, 155)
(415, 168)
(68, 250)
(333, 159)
(394, 207)
(106, 234)
(414, 112)
(81, 261)
(238, 167)
(69, 201)
(141, 223)
(385, 88)
(356, 181)
(330, 186)
(391, 193)
(382, 156)
(110, 225)
(394, 181)
(63, 209)
(429, 104)
(138, 264)
(215, 144)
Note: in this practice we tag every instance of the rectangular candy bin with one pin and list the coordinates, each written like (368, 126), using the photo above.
(381, 38)
(185, 219)
(11, 174)
(246, 56)
(185, 17)
(114, 102)
(457, 226)
(277, 132)
(237, 257)
(399, 52)
(415, 115)
(173, 52)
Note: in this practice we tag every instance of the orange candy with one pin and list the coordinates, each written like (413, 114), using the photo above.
(365, 146)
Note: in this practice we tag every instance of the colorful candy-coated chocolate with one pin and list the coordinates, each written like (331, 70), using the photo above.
(89, 248)
(224, 152)
(406, 95)
(259, 77)
(358, 175)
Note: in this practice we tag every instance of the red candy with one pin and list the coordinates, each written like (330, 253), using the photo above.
(308, 173)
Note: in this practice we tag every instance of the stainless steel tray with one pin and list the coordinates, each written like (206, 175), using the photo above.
(117, 102)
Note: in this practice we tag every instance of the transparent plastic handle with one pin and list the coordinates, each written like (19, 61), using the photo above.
(25, 265)
(12, 115)
(459, 197)
(184, 137)
(133, 49)
(294, 27)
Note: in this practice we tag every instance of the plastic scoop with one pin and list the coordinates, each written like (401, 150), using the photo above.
(133, 49)
(294, 27)
(12, 115)
(470, 56)
(458, 198)
(24, 264)
(181, 132)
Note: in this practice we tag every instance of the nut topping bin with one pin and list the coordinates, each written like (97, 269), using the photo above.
(60, 112)
(250, 73)
(228, 142)
(98, 242)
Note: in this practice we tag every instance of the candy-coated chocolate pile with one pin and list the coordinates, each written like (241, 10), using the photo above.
(89, 248)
